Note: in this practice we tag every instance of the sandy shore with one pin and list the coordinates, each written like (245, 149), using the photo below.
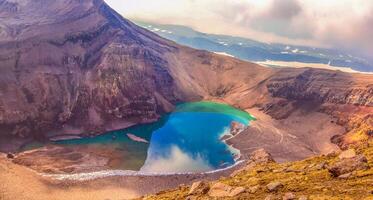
(13, 176)
(20, 183)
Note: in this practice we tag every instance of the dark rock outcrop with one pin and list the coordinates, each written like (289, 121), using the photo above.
(347, 165)
(10, 156)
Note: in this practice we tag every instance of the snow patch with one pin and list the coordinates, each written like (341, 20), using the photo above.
(311, 65)
(295, 50)
(224, 54)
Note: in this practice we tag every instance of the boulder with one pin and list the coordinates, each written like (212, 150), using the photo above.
(321, 166)
(345, 176)
(236, 191)
(274, 186)
(350, 153)
(253, 189)
(220, 190)
(261, 156)
(347, 165)
(10, 156)
(223, 190)
(288, 196)
(303, 197)
(199, 187)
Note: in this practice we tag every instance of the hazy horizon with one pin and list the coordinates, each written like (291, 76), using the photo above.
(310, 23)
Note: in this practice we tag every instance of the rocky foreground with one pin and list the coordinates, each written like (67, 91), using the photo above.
(342, 175)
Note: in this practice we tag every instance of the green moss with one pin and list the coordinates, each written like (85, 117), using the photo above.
(207, 106)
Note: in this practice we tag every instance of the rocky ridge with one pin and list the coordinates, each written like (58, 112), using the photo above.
(79, 68)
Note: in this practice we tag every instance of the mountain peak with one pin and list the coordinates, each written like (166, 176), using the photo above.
(22, 19)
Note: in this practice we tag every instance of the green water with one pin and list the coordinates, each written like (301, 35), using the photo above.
(207, 106)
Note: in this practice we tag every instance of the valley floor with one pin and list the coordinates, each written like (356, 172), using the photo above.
(299, 141)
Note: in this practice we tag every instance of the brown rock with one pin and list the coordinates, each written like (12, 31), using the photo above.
(10, 156)
(199, 187)
(333, 153)
(348, 165)
(236, 191)
(303, 197)
(288, 196)
(261, 156)
(321, 166)
(253, 189)
(274, 186)
(345, 176)
(350, 153)
(223, 190)
(220, 190)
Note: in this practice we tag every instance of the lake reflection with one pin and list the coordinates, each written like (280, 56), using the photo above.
(187, 140)
(190, 142)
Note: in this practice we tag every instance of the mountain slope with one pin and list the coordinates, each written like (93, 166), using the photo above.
(78, 68)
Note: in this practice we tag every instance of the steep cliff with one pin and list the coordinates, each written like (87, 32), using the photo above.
(77, 67)
(80, 67)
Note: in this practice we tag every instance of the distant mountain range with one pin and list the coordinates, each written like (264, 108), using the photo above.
(251, 50)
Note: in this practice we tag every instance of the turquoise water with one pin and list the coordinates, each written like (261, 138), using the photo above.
(186, 140)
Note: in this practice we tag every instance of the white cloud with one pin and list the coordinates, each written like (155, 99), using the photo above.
(176, 161)
(344, 24)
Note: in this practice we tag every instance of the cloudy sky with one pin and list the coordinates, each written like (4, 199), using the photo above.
(346, 24)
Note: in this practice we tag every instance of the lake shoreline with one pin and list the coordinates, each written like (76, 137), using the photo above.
(144, 185)
(125, 187)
